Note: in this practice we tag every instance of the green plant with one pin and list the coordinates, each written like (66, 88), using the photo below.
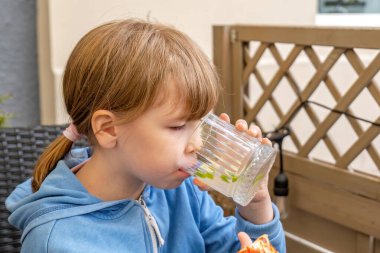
(3, 115)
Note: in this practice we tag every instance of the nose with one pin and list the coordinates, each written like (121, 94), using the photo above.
(194, 144)
(190, 148)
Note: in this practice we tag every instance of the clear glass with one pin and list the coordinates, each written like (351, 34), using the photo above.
(230, 161)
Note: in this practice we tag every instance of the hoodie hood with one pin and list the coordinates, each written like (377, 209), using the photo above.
(60, 195)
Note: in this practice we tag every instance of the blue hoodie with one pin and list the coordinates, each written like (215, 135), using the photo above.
(63, 217)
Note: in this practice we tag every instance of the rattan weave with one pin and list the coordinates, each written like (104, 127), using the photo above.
(19, 150)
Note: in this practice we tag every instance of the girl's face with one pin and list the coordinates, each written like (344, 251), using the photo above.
(156, 146)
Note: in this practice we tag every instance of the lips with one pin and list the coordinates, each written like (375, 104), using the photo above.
(183, 173)
(188, 166)
(193, 167)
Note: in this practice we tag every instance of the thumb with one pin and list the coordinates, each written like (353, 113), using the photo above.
(244, 239)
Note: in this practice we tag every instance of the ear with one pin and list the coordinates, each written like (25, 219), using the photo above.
(102, 123)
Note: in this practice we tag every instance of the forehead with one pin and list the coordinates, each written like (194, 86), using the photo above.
(170, 101)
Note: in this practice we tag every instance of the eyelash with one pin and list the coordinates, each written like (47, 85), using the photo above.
(177, 128)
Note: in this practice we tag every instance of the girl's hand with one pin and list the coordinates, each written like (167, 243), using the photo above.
(259, 211)
(244, 239)
(253, 130)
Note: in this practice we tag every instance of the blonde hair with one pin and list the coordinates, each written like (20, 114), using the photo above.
(122, 66)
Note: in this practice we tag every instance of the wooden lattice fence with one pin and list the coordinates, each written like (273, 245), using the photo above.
(326, 194)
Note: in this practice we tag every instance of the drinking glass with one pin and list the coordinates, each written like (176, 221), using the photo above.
(230, 161)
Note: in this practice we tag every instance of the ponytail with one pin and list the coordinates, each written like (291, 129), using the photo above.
(49, 159)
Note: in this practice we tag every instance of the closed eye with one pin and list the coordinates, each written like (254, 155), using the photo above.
(177, 128)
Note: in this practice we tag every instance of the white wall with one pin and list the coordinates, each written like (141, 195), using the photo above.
(68, 20)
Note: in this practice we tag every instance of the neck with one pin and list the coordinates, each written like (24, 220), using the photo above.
(107, 181)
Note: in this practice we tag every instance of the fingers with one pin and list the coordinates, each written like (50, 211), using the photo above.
(225, 117)
(244, 239)
(201, 185)
(253, 130)
(241, 125)
(266, 141)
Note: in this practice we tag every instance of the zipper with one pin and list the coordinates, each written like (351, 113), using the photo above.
(152, 225)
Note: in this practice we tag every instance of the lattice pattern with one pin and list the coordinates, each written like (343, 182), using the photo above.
(322, 75)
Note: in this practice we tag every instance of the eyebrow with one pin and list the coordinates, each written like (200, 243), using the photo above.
(181, 117)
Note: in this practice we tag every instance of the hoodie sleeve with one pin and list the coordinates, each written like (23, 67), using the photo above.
(273, 229)
(220, 233)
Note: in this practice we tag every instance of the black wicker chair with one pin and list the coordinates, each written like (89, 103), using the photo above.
(19, 150)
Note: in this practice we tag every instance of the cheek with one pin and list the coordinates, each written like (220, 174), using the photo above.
(196, 139)
(156, 152)
(140, 142)
(150, 148)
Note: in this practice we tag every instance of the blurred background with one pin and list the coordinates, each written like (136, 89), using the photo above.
(36, 37)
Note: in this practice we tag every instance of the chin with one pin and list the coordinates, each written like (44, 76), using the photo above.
(169, 185)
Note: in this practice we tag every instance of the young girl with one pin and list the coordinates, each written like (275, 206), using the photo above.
(137, 91)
